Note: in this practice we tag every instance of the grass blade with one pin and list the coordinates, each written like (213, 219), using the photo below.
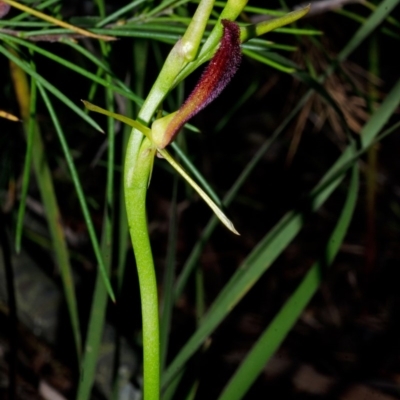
(99, 301)
(56, 21)
(79, 191)
(52, 89)
(285, 319)
(30, 128)
(167, 300)
(269, 248)
(375, 19)
(47, 192)
(124, 90)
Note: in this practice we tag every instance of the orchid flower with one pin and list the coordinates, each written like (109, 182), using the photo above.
(214, 79)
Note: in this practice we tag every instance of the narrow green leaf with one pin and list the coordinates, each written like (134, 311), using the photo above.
(247, 32)
(217, 211)
(268, 249)
(119, 12)
(377, 17)
(52, 89)
(124, 90)
(56, 21)
(284, 320)
(265, 60)
(40, 6)
(30, 132)
(99, 300)
(196, 173)
(128, 121)
(79, 191)
(26, 97)
(167, 303)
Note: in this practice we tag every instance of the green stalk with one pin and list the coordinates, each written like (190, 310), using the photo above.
(99, 300)
(30, 132)
(138, 166)
(27, 103)
(371, 171)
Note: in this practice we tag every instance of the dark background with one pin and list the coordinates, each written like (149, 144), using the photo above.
(345, 345)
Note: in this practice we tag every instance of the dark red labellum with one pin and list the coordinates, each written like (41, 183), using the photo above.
(213, 81)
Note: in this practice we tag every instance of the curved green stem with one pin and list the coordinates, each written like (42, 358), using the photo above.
(138, 165)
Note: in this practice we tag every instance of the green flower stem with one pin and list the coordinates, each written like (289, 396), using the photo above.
(138, 166)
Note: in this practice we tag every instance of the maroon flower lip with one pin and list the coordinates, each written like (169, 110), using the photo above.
(213, 81)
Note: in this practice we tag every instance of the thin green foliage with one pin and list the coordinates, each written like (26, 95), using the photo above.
(285, 319)
(197, 174)
(95, 78)
(267, 61)
(119, 13)
(167, 301)
(42, 6)
(375, 19)
(51, 88)
(280, 236)
(30, 131)
(79, 191)
(27, 98)
(99, 302)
